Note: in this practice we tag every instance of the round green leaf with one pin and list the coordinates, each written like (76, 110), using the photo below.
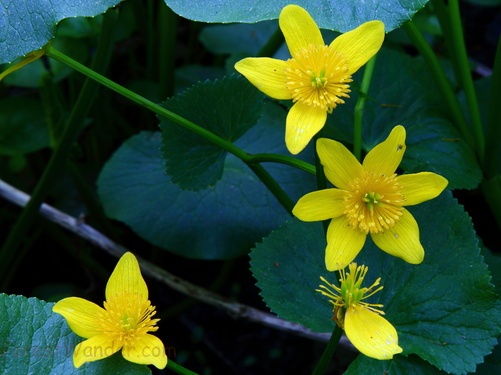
(221, 222)
(445, 309)
(34, 340)
(336, 15)
(28, 26)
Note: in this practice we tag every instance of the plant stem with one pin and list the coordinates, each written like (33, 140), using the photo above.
(273, 44)
(178, 369)
(62, 149)
(167, 27)
(461, 57)
(328, 352)
(492, 155)
(282, 159)
(359, 107)
(444, 86)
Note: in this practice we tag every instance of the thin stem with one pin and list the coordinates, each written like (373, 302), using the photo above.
(359, 108)
(492, 155)
(62, 149)
(148, 104)
(273, 186)
(444, 86)
(461, 57)
(167, 25)
(282, 159)
(328, 352)
(273, 44)
(178, 369)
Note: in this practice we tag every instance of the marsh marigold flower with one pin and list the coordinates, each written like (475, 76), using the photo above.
(362, 322)
(317, 76)
(124, 322)
(369, 200)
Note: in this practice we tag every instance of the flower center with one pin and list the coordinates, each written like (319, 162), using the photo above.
(350, 293)
(127, 317)
(318, 76)
(373, 202)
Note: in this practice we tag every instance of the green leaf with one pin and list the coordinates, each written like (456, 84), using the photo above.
(329, 14)
(445, 309)
(228, 108)
(412, 365)
(23, 127)
(396, 97)
(217, 223)
(37, 341)
(26, 27)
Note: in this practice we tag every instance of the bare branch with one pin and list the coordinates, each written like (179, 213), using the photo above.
(87, 232)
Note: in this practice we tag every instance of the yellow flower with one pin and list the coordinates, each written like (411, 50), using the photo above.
(317, 76)
(362, 322)
(369, 199)
(124, 322)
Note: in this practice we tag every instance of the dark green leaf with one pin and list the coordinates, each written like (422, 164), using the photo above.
(34, 340)
(23, 128)
(228, 108)
(340, 16)
(217, 223)
(411, 365)
(444, 309)
(396, 97)
(28, 26)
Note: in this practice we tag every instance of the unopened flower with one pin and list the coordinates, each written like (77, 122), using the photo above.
(362, 322)
(369, 200)
(317, 76)
(124, 322)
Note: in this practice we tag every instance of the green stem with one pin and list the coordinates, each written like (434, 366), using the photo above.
(461, 57)
(148, 104)
(282, 159)
(444, 86)
(178, 369)
(62, 149)
(167, 25)
(273, 186)
(359, 108)
(273, 44)
(492, 155)
(328, 353)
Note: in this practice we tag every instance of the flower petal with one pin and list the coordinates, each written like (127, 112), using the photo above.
(402, 240)
(266, 74)
(299, 29)
(421, 187)
(386, 156)
(320, 205)
(126, 279)
(147, 350)
(340, 165)
(343, 244)
(360, 44)
(370, 333)
(303, 122)
(95, 348)
(83, 317)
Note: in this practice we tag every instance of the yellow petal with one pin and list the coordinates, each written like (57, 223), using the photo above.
(299, 29)
(343, 244)
(320, 205)
(402, 240)
(359, 45)
(303, 122)
(370, 333)
(83, 317)
(340, 166)
(126, 279)
(266, 74)
(386, 156)
(421, 187)
(147, 350)
(94, 349)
